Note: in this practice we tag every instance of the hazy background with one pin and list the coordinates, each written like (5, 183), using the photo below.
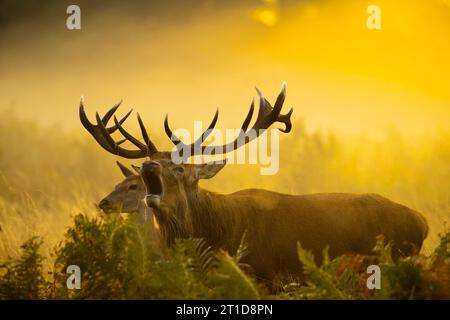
(190, 57)
(371, 108)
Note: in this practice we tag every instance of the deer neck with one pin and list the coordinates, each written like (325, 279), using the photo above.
(214, 218)
(206, 215)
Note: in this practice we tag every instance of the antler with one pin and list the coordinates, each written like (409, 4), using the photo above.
(102, 134)
(267, 115)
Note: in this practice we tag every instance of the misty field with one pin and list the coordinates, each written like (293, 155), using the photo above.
(51, 179)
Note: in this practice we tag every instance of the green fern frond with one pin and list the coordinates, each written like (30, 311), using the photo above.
(242, 250)
(230, 281)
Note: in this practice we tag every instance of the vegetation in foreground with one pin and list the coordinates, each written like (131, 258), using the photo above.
(48, 176)
(118, 263)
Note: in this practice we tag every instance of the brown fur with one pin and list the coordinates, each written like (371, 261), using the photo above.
(127, 197)
(275, 222)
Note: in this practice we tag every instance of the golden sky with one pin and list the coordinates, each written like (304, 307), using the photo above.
(340, 75)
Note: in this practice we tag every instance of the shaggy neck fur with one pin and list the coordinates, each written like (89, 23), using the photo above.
(206, 215)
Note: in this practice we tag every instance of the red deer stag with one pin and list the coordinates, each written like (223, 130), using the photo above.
(274, 222)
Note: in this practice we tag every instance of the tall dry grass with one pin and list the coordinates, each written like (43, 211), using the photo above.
(48, 175)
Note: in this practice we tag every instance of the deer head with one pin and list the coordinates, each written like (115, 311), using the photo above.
(127, 195)
(172, 186)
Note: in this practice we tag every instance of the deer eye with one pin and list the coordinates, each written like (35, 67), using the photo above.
(133, 187)
(178, 170)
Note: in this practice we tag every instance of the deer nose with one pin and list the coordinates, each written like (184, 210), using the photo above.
(150, 165)
(104, 204)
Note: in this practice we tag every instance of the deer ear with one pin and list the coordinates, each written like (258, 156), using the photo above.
(126, 172)
(209, 170)
(136, 168)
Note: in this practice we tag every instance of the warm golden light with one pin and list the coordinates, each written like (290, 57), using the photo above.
(267, 17)
(371, 107)
(344, 76)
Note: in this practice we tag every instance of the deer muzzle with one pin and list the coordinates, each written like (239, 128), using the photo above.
(151, 176)
(152, 200)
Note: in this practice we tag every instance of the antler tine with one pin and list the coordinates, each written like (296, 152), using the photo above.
(83, 118)
(104, 132)
(110, 112)
(286, 119)
(151, 147)
(267, 115)
(279, 102)
(103, 135)
(249, 116)
(130, 138)
(143, 130)
(264, 106)
(244, 127)
(91, 128)
(121, 141)
(281, 97)
(283, 118)
(208, 131)
(176, 141)
(113, 128)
